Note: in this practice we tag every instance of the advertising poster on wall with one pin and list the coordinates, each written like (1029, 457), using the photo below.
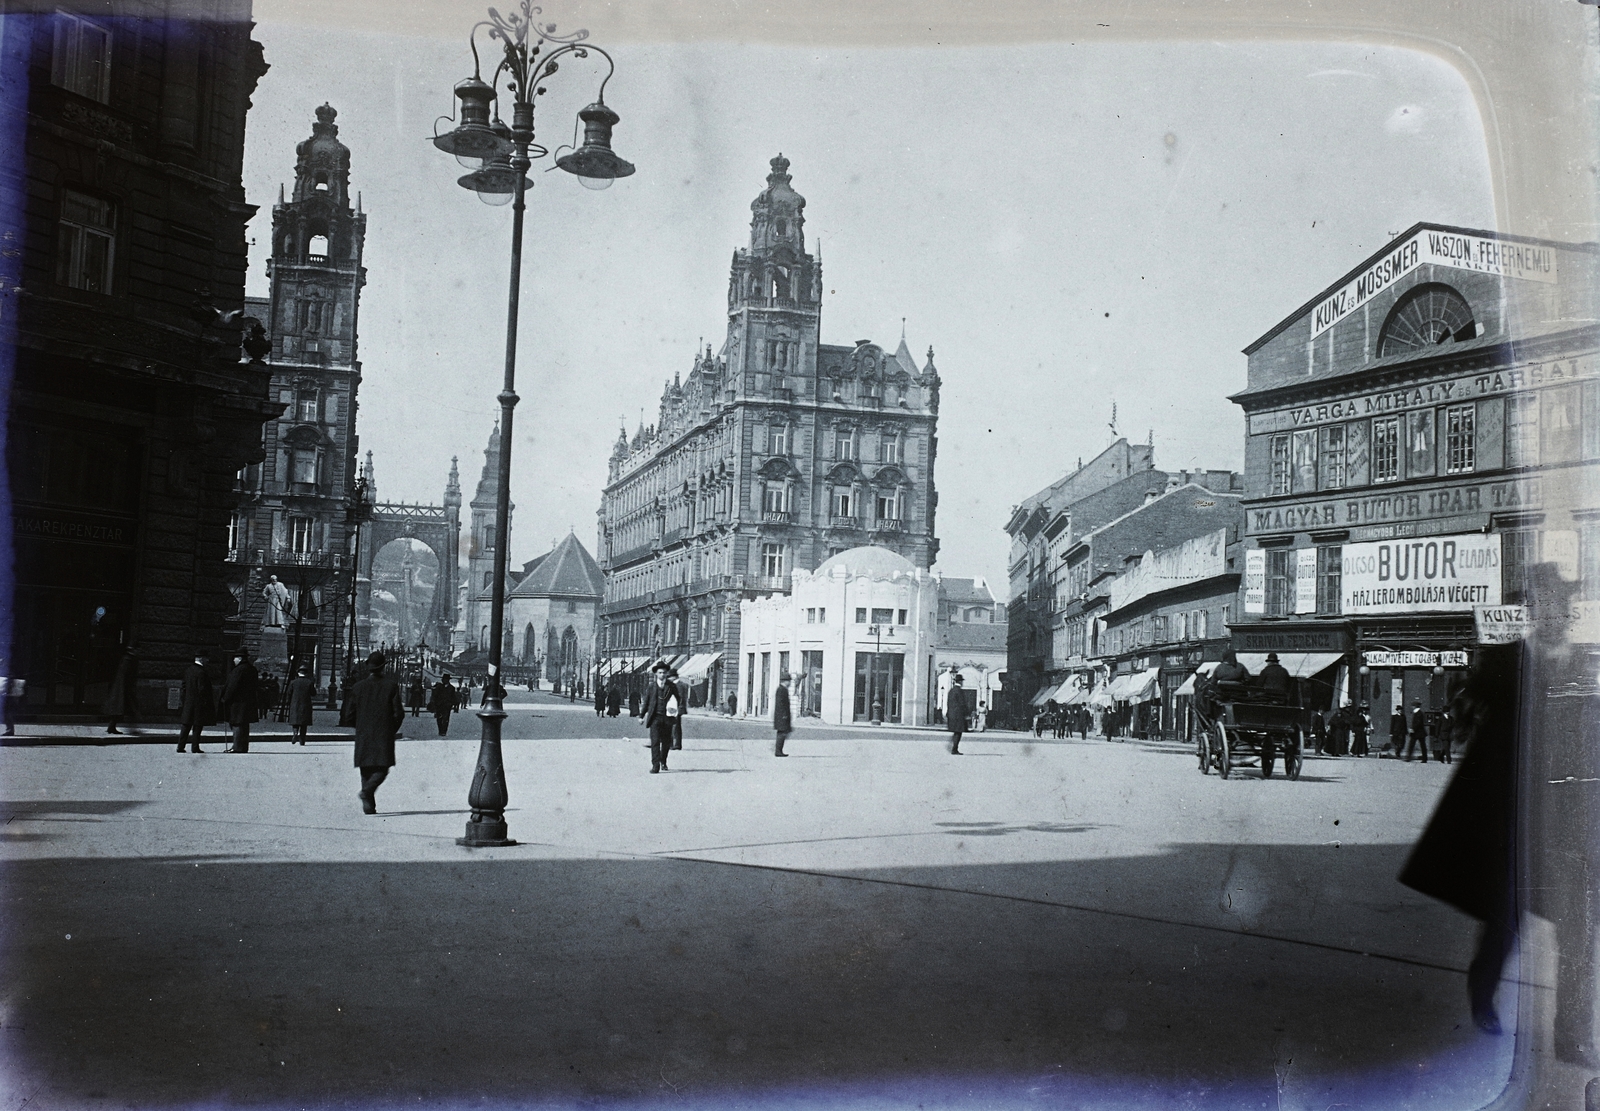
(1443, 573)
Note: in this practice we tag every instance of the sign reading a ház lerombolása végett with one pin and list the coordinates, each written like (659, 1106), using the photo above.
(1413, 576)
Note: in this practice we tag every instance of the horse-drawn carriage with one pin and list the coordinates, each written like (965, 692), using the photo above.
(1240, 725)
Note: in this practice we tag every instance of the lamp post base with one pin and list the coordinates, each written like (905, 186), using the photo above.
(485, 835)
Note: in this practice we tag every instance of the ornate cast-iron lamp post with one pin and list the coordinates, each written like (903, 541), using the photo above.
(499, 156)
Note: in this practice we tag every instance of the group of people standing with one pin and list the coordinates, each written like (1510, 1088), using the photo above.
(238, 705)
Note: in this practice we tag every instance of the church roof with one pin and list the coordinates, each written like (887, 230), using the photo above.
(567, 571)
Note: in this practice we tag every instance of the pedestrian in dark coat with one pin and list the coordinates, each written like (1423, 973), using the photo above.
(599, 699)
(239, 693)
(957, 709)
(662, 704)
(441, 702)
(1360, 727)
(614, 700)
(373, 709)
(782, 722)
(415, 695)
(1530, 767)
(302, 690)
(122, 700)
(198, 706)
(633, 703)
(1418, 736)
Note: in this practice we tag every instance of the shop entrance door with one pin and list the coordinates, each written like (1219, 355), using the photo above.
(811, 684)
(879, 678)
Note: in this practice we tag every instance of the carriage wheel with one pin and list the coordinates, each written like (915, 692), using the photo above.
(1224, 757)
(1268, 756)
(1293, 755)
(1202, 744)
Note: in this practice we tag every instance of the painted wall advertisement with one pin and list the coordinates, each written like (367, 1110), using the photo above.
(1255, 581)
(1442, 573)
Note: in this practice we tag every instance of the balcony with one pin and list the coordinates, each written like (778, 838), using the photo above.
(885, 525)
(844, 522)
(285, 557)
(777, 583)
(775, 517)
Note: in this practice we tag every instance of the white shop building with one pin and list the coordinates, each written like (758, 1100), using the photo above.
(859, 634)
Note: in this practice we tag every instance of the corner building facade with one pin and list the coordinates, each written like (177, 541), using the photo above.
(1420, 434)
(776, 453)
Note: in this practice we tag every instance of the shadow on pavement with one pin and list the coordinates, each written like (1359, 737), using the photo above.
(594, 981)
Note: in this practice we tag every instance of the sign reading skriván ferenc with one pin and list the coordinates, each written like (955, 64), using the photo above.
(1449, 391)
(1413, 576)
(1476, 253)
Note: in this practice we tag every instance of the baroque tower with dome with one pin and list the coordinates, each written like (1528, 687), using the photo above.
(775, 452)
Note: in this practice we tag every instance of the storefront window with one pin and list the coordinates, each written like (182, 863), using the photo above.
(1386, 449)
(1460, 438)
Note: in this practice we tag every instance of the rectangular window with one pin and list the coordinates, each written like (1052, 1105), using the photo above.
(84, 243)
(1158, 628)
(822, 615)
(766, 681)
(300, 535)
(1460, 439)
(1386, 449)
(304, 467)
(81, 60)
(772, 560)
(1420, 427)
(841, 501)
(1280, 582)
(1329, 578)
(1305, 461)
(844, 443)
(236, 531)
(882, 616)
(889, 506)
(1522, 430)
(1519, 551)
(1278, 478)
(1591, 420)
(773, 500)
(811, 615)
(778, 440)
(861, 616)
(1332, 449)
(900, 617)
(1559, 424)
(889, 448)
(1200, 618)
(306, 406)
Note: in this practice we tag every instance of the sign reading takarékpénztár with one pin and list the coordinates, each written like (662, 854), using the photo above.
(1477, 253)
(1421, 575)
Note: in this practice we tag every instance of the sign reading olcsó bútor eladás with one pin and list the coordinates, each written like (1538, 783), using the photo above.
(1477, 253)
(1411, 576)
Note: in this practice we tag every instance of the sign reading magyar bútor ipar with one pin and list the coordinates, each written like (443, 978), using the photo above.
(1477, 253)
(1411, 576)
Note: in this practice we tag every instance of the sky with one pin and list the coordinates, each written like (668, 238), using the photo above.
(1068, 227)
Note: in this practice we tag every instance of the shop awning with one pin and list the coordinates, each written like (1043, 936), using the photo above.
(1301, 665)
(1046, 693)
(1143, 686)
(1102, 698)
(699, 666)
(1203, 669)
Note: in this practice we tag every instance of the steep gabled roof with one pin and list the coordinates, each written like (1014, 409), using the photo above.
(568, 571)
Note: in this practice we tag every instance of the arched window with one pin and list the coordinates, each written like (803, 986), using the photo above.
(1425, 317)
(318, 246)
(321, 181)
(530, 643)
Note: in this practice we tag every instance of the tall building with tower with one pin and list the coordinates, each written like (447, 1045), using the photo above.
(777, 452)
(291, 554)
(473, 631)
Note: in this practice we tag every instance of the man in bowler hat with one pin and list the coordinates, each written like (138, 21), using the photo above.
(372, 707)
(957, 709)
(661, 708)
